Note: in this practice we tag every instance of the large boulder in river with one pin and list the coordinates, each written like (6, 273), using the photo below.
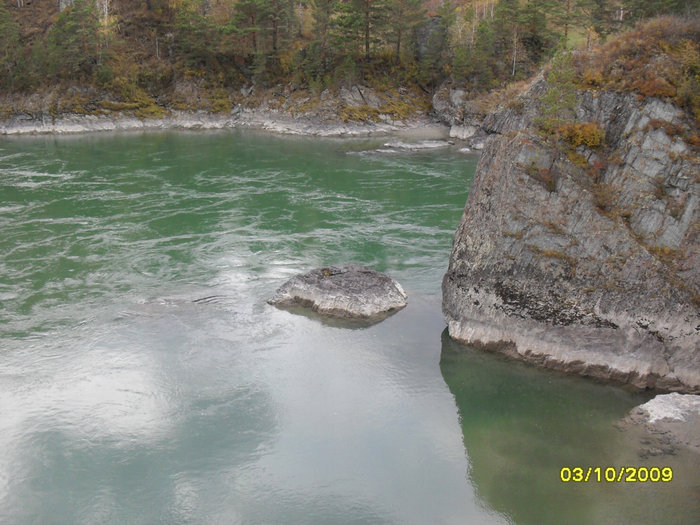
(586, 259)
(350, 291)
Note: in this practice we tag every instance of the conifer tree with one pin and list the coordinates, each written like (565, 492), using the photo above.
(638, 9)
(559, 101)
(197, 38)
(569, 14)
(10, 48)
(73, 42)
(358, 24)
(323, 12)
(601, 17)
(537, 37)
(404, 15)
(249, 21)
(508, 24)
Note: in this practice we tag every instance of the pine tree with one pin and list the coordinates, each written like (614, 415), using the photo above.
(558, 102)
(508, 24)
(279, 20)
(196, 37)
(569, 14)
(73, 42)
(323, 12)
(537, 38)
(10, 48)
(638, 9)
(431, 45)
(249, 21)
(358, 25)
(484, 56)
(601, 17)
(404, 16)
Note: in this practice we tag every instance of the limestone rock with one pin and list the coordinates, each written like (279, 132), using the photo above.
(463, 132)
(593, 266)
(672, 420)
(359, 95)
(350, 291)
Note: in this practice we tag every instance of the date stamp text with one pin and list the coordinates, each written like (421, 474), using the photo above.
(616, 474)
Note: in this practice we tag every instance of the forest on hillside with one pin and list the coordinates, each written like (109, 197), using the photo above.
(138, 50)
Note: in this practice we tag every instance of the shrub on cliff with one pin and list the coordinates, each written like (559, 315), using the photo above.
(587, 134)
(658, 58)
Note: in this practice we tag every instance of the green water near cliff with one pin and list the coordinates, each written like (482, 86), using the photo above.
(144, 379)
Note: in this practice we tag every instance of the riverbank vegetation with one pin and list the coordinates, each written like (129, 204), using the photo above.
(152, 55)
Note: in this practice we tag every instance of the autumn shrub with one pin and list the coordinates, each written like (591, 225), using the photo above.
(543, 175)
(582, 134)
(362, 113)
(653, 86)
(592, 77)
(669, 128)
(604, 197)
(398, 108)
(577, 159)
(220, 102)
(118, 106)
(150, 111)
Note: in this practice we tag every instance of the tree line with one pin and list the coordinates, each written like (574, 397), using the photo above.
(132, 44)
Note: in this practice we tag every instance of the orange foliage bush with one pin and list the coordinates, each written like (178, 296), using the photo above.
(654, 87)
(582, 134)
(592, 77)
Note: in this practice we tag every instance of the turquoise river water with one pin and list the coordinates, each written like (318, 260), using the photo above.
(144, 379)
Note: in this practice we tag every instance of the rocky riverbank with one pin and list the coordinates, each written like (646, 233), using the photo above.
(585, 259)
(348, 112)
(243, 118)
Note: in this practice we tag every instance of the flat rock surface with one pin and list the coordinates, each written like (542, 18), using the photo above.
(350, 291)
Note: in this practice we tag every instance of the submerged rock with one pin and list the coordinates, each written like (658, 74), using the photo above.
(350, 291)
(398, 145)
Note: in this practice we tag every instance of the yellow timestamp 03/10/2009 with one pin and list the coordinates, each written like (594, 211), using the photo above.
(616, 474)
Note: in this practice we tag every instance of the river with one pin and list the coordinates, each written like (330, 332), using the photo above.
(144, 379)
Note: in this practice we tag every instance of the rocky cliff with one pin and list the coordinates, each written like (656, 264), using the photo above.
(585, 257)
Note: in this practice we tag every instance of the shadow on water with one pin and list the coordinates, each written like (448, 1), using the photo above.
(337, 322)
(521, 425)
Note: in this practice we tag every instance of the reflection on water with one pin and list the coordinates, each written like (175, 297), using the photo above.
(143, 377)
(521, 425)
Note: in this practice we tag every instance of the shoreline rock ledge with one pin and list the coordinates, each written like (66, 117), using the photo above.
(349, 292)
(672, 420)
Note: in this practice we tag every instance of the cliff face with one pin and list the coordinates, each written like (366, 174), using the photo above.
(585, 260)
